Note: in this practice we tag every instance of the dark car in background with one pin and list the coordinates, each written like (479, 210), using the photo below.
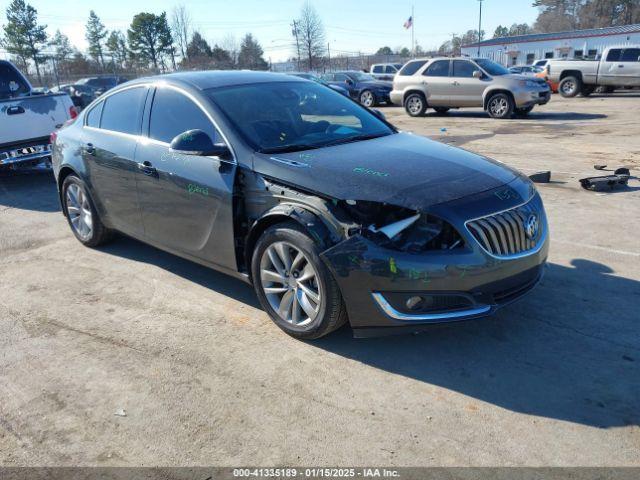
(362, 87)
(329, 211)
(315, 78)
(102, 83)
(81, 94)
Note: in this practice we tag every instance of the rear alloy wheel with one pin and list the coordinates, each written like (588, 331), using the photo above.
(368, 99)
(500, 105)
(441, 110)
(570, 86)
(415, 105)
(81, 214)
(293, 284)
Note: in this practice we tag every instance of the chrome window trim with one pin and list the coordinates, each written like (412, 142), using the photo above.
(533, 251)
(431, 317)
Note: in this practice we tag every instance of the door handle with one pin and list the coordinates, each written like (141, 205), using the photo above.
(147, 168)
(455, 83)
(620, 66)
(90, 149)
(15, 110)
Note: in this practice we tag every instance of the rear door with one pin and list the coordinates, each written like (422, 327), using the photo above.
(629, 67)
(186, 200)
(110, 137)
(438, 83)
(467, 90)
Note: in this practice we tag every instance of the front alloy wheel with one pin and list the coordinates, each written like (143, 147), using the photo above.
(500, 106)
(367, 99)
(294, 285)
(290, 284)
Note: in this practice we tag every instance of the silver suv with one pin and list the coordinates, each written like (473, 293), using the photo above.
(445, 83)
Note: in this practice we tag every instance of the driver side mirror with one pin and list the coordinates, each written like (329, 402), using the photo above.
(197, 142)
(477, 74)
(348, 81)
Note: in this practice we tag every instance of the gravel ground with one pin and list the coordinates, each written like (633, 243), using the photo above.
(129, 356)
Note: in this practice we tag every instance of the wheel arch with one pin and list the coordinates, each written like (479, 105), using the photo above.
(65, 171)
(282, 213)
(571, 73)
(491, 93)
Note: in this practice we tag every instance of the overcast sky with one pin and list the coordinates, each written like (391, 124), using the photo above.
(351, 25)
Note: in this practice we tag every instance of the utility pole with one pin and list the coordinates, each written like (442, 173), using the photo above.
(480, 27)
(295, 33)
(329, 54)
(453, 47)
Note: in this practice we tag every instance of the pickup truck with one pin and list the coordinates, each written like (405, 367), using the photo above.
(27, 120)
(617, 67)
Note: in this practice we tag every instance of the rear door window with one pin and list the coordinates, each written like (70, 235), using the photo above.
(411, 67)
(173, 113)
(390, 69)
(630, 55)
(122, 112)
(93, 117)
(614, 55)
(439, 68)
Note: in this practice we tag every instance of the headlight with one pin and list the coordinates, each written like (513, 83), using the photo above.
(529, 83)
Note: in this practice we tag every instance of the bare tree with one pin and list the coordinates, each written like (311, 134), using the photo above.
(311, 32)
(181, 26)
(230, 44)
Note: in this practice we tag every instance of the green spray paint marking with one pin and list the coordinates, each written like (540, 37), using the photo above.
(368, 171)
(392, 265)
(191, 188)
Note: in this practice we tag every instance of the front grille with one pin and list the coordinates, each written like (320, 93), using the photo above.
(504, 234)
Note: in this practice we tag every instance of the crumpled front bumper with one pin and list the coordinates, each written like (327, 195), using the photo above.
(372, 278)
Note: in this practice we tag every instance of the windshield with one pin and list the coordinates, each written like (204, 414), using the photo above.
(293, 116)
(361, 77)
(492, 68)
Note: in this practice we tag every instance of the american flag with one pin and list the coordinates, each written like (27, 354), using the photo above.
(409, 23)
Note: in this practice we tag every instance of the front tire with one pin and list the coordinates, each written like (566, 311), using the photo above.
(500, 105)
(81, 213)
(415, 105)
(570, 86)
(368, 99)
(293, 285)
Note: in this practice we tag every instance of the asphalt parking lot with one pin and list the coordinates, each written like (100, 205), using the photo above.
(129, 356)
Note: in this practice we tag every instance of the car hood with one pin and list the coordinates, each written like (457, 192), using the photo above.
(400, 169)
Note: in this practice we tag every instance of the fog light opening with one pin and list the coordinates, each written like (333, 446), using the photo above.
(414, 303)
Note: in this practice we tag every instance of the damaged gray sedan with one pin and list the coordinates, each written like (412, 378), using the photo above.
(330, 212)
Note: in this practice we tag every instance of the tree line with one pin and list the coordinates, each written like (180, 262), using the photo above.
(152, 42)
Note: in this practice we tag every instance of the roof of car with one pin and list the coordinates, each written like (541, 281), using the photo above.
(219, 78)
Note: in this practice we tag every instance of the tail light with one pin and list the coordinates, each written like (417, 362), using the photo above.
(73, 113)
(53, 137)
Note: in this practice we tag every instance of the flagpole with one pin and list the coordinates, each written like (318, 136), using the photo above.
(413, 43)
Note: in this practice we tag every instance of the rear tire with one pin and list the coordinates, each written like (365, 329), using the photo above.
(415, 105)
(500, 105)
(81, 213)
(570, 86)
(441, 110)
(301, 297)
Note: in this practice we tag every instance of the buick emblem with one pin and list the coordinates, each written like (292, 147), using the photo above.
(531, 226)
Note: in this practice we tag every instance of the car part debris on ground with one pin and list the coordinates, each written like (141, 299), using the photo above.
(541, 177)
(606, 182)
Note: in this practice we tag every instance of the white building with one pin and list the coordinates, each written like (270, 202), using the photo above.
(524, 49)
